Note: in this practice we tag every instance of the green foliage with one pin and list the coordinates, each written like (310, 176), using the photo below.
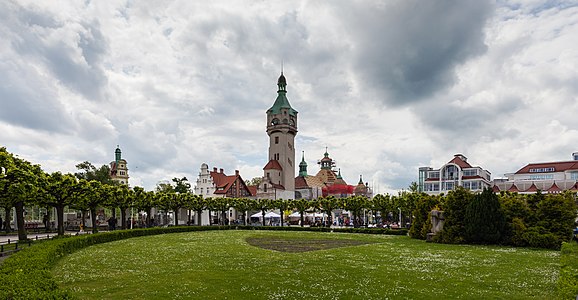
(484, 220)
(90, 172)
(421, 224)
(568, 279)
(454, 207)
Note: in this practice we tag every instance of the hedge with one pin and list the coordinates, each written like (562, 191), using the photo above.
(27, 273)
(568, 279)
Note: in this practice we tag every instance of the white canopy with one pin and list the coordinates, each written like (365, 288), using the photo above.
(267, 215)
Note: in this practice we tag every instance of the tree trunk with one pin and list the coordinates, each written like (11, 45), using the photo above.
(282, 213)
(210, 218)
(8, 211)
(123, 218)
(199, 217)
(93, 220)
(22, 236)
(176, 217)
(60, 219)
(302, 219)
(244, 218)
(190, 213)
(149, 217)
(82, 221)
(329, 218)
(263, 214)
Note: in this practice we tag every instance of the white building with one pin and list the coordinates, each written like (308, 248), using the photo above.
(118, 168)
(548, 177)
(457, 172)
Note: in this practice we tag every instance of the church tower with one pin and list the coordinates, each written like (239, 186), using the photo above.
(282, 129)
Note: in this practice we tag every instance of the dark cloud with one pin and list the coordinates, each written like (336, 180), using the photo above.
(409, 49)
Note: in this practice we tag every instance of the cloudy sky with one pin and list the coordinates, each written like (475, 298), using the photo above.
(388, 86)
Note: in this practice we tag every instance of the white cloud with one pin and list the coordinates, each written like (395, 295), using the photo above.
(387, 86)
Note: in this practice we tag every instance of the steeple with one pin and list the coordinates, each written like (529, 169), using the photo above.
(360, 180)
(281, 101)
(339, 174)
(117, 154)
(326, 162)
(303, 166)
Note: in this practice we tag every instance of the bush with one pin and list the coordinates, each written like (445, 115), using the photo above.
(568, 280)
(454, 207)
(484, 220)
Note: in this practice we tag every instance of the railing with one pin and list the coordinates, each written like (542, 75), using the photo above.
(11, 246)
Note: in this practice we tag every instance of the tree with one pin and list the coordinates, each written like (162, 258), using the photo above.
(122, 198)
(174, 202)
(355, 206)
(262, 205)
(90, 196)
(143, 202)
(242, 205)
(382, 204)
(59, 193)
(254, 181)
(413, 187)
(282, 205)
(454, 207)
(182, 185)
(421, 223)
(90, 172)
(327, 205)
(484, 219)
(197, 204)
(301, 205)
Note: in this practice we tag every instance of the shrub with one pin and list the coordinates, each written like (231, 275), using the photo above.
(454, 207)
(484, 219)
(568, 280)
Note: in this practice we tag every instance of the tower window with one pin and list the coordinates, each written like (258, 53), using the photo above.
(289, 145)
(276, 140)
(290, 162)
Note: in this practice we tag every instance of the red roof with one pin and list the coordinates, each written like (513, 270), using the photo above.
(554, 188)
(496, 189)
(252, 189)
(300, 183)
(513, 188)
(224, 182)
(558, 167)
(472, 177)
(273, 164)
(532, 188)
(574, 187)
(338, 189)
(460, 162)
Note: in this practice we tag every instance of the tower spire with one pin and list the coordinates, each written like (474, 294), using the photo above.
(303, 166)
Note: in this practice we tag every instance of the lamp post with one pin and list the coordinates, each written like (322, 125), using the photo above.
(399, 208)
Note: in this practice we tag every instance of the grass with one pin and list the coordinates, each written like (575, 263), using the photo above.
(224, 265)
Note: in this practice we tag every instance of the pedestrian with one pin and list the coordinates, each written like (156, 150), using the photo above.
(45, 221)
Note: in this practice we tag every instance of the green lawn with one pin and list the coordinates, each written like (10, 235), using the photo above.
(222, 265)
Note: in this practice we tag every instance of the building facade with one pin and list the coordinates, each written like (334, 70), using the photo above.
(547, 177)
(279, 172)
(118, 168)
(457, 172)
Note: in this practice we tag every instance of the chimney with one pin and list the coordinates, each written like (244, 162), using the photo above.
(215, 169)
(221, 171)
(236, 172)
(575, 155)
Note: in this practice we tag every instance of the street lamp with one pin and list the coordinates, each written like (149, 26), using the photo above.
(399, 208)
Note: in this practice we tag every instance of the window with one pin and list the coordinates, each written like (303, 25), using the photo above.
(201, 190)
(542, 170)
(265, 188)
(471, 172)
(289, 145)
(268, 176)
(475, 186)
(433, 174)
(276, 140)
(290, 162)
(574, 175)
(541, 177)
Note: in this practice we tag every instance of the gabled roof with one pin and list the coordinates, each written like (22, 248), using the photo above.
(460, 162)
(513, 188)
(532, 188)
(554, 188)
(560, 166)
(223, 183)
(273, 165)
(574, 187)
(252, 189)
(301, 183)
(495, 189)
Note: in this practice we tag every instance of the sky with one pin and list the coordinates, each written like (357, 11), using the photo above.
(387, 86)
